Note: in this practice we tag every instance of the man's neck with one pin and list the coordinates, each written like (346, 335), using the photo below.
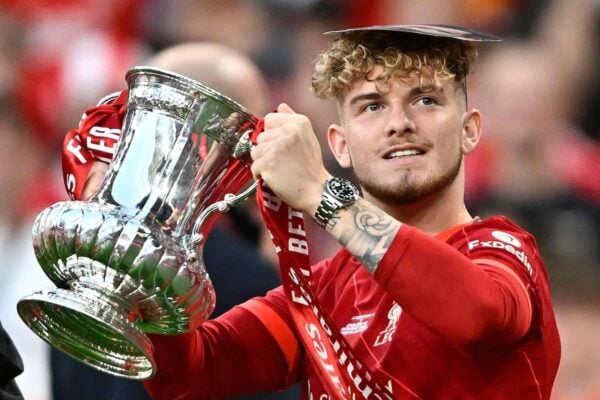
(433, 214)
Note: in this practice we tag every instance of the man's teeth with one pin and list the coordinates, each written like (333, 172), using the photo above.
(404, 153)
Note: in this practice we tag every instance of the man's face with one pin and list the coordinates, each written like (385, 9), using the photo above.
(403, 139)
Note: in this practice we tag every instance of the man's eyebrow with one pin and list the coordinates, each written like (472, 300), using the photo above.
(366, 96)
(417, 90)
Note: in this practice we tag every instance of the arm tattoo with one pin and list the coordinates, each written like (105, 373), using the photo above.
(367, 234)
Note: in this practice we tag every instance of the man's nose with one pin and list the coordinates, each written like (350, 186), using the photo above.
(400, 122)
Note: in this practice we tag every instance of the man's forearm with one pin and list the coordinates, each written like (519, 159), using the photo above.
(365, 231)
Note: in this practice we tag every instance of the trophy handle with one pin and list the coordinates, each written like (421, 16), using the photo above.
(229, 200)
(242, 148)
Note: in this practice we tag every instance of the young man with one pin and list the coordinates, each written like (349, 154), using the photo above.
(424, 301)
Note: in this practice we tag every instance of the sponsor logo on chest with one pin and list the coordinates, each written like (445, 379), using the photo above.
(360, 323)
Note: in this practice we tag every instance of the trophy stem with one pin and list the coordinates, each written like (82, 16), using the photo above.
(92, 326)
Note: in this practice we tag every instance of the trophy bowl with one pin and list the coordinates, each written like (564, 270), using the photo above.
(128, 261)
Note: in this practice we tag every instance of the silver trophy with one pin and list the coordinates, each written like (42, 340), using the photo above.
(129, 261)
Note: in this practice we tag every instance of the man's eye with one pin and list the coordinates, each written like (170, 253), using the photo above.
(372, 107)
(427, 101)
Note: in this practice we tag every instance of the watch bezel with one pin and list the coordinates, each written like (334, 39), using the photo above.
(342, 190)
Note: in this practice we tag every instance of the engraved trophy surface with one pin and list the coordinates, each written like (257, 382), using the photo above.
(129, 260)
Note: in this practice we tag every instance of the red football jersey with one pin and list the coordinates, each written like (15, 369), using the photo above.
(401, 343)
(420, 362)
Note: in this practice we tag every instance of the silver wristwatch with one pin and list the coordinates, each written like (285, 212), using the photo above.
(337, 193)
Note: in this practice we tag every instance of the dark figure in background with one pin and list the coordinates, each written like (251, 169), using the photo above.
(10, 367)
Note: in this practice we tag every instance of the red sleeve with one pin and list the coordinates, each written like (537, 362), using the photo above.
(94, 139)
(250, 349)
(471, 303)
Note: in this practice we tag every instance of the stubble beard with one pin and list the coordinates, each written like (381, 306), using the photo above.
(408, 191)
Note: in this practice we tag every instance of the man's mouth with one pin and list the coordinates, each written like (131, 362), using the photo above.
(404, 153)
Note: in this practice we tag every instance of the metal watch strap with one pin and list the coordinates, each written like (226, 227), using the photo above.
(337, 193)
(326, 209)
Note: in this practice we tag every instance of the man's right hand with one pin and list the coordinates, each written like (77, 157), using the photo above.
(94, 179)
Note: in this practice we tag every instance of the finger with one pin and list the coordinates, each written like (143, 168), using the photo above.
(91, 185)
(274, 133)
(255, 168)
(95, 178)
(285, 109)
(267, 135)
(269, 141)
(273, 120)
(258, 150)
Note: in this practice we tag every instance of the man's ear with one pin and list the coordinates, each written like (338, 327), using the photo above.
(471, 130)
(338, 146)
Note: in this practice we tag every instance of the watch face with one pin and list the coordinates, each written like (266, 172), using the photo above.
(343, 190)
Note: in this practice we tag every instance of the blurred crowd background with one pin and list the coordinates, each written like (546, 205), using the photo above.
(539, 92)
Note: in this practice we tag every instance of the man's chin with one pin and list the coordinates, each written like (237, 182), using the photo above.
(410, 187)
(404, 198)
(393, 195)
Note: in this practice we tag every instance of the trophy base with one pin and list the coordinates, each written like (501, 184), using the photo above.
(87, 325)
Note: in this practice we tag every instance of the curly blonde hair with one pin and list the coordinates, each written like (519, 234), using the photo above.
(354, 55)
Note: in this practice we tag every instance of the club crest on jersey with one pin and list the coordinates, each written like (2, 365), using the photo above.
(386, 335)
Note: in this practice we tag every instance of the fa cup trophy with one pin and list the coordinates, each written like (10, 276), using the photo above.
(129, 260)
